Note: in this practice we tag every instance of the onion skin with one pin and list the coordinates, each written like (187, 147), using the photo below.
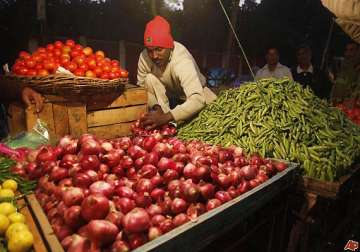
(102, 232)
(137, 220)
(95, 207)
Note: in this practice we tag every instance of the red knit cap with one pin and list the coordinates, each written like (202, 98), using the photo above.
(158, 33)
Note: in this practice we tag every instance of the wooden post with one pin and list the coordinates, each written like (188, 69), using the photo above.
(122, 53)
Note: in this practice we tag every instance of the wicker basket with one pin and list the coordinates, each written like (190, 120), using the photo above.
(351, 28)
(66, 85)
(347, 9)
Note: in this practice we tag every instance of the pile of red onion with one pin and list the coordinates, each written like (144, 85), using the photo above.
(115, 195)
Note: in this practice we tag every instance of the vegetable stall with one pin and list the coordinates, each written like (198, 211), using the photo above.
(106, 184)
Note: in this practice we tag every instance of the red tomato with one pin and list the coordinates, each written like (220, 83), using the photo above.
(78, 47)
(100, 54)
(66, 49)
(114, 69)
(90, 74)
(79, 72)
(43, 55)
(106, 68)
(112, 76)
(20, 62)
(16, 68)
(49, 65)
(91, 63)
(124, 73)
(32, 72)
(42, 72)
(64, 61)
(100, 63)
(79, 60)
(104, 76)
(117, 74)
(37, 57)
(87, 51)
(58, 44)
(57, 52)
(65, 55)
(98, 58)
(50, 47)
(98, 72)
(71, 67)
(41, 50)
(23, 71)
(30, 63)
(24, 55)
(83, 67)
(107, 60)
(38, 66)
(115, 63)
(49, 55)
(70, 43)
(76, 53)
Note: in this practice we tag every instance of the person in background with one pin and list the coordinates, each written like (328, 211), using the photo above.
(309, 75)
(273, 68)
(347, 80)
(176, 88)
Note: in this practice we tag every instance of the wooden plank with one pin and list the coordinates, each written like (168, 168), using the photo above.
(117, 115)
(39, 243)
(196, 234)
(50, 238)
(61, 119)
(131, 96)
(16, 119)
(112, 131)
(30, 117)
(77, 119)
(47, 115)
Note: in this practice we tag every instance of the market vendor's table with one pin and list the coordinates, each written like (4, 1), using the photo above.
(316, 193)
(106, 116)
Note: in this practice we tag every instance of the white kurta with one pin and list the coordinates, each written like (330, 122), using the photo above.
(181, 79)
(280, 71)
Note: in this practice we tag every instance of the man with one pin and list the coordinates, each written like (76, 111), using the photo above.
(347, 81)
(308, 75)
(273, 68)
(176, 88)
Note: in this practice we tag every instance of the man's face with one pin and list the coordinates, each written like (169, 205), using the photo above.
(303, 56)
(351, 50)
(160, 56)
(272, 57)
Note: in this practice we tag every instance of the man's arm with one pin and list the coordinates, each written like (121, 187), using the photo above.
(193, 89)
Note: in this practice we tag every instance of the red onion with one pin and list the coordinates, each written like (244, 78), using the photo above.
(166, 205)
(170, 175)
(115, 217)
(157, 180)
(240, 161)
(195, 210)
(74, 168)
(157, 194)
(126, 162)
(223, 196)
(112, 158)
(223, 180)
(58, 173)
(52, 213)
(124, 205)
(213, 203)
(180, 219)
(106, 147)
(142, 199)
(280, 166)
(68, 160)
(82, 180)
(90, 147)
(137, 220)
(124, 143)
(154, 232)
(138, 140)
(144, 185)
(90, 162)
(255, 159)
(136, 240)
(102, 232)
(46, 153)
(118, 170)
(92, 174)
(154, 210)
(233, 192)
(102, 187)
(202, 172)
(180, 157)
(224, 155)
(249, 171)
(66, 182)
(207, 190)
(48, 166)
(157, 219)
(166, 226)
(262, 178)
(72, 217)
(120, 246)
(66, 242)
(163, 149)
(136, 152)
(147, 171)
(149, 143)
(139, 162)
(61, 207)
(165, 163)
(132, 174)
(189, 170)
(72, 196)
(95, 207)
(151, 158)
(124, 191)
(79, 244)
(179, 148)
(254, 183)
(71, 148)
(178, 206)
(243, 187)
(189, 191)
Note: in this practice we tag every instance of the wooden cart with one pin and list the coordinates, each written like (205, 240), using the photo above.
(106, 116)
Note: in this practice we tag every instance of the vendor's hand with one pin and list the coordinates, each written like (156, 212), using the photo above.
(156, 118)
(30, 96)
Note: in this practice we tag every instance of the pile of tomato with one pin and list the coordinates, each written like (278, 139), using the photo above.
(352, 109)
(79, 60)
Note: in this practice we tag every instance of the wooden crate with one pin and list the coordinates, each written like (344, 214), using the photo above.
(107, 116)
(330, 190)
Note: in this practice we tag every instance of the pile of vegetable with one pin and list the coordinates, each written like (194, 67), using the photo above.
(71, 56)
(115, 195)
(14, 233)
(281, 120)
(352, 109)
